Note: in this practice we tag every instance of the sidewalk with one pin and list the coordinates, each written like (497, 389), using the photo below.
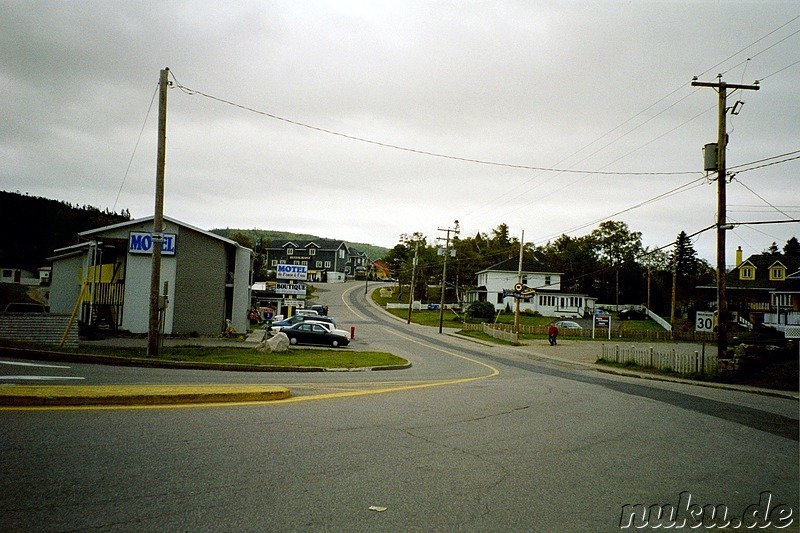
(585, 354)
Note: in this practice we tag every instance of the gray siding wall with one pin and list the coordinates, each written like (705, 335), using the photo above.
(65, 284)
(199, 303)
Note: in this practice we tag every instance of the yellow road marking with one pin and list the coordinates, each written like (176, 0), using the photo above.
(402, 386)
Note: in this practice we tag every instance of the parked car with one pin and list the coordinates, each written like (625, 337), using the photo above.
(292, 320)
(632, 314)
(321, 310)
(567, 324)
(329, 326)
(307, 312)
(311, 333)
(25, 307)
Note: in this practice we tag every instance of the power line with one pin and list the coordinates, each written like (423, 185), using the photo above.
(153, 99)
(764, 165)
(190, 91)
(746, 47)
(762, 198)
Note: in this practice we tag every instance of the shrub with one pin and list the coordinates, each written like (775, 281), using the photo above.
(480, 310)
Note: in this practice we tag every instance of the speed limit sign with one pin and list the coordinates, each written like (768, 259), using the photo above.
(704, 321)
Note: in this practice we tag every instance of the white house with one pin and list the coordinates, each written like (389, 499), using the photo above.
(496, 282)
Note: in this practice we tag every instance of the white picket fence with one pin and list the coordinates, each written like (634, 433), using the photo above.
(695, 363)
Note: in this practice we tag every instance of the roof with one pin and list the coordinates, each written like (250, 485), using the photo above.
(90, 233)
(762, 263)
(322, 244)
(512, 265)
(75, 249)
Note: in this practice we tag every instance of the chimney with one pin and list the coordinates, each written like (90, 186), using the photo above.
(738, 256)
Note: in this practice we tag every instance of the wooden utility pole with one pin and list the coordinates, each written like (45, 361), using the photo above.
(444, 271)
(722, 225)
(674, 290)
(153, 332)
(519, 282)
(411, 288)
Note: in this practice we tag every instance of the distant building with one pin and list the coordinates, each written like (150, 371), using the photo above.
(207, 278)
(495, 283)
(762, 289)
(21, 276)
(327, 260)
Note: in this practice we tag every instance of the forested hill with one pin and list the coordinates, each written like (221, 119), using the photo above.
(36, 226)
(257, 235)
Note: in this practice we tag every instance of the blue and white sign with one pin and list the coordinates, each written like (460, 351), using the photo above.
(142, 243)
(292, 272)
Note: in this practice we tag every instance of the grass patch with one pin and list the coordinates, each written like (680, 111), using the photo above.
(638, 325)
(295, 357)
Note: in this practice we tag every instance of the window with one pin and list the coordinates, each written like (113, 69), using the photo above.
(312, 251)
(499, 297)
(327, 264)
(776, 273)
(289, 251)
(274, 262)
(547, 280)
(747, 272)
(341, 254)
(318, 264)
(782, 300)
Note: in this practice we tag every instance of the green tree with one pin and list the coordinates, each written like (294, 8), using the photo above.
(576, 259)
(618, 249)
(792, 248)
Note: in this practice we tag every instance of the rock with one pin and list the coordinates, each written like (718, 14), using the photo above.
(277, 343)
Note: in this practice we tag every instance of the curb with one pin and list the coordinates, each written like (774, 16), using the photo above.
(139, 395)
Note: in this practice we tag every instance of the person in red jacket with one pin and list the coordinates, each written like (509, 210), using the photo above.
(552, 333)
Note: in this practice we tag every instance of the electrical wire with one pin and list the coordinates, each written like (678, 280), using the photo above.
(740, 182)
(138, 139)
(748, 46)
(190, 91)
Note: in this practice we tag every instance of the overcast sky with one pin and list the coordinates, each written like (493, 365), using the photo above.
(549, 117)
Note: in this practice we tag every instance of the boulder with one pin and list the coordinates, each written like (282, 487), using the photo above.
(277, 343)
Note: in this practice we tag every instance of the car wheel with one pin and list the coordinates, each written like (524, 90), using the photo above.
(335, 344)
(293, 340)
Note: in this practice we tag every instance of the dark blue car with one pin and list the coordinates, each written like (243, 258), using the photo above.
(310, 333)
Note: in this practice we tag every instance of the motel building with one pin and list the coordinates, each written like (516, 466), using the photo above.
(205, 279)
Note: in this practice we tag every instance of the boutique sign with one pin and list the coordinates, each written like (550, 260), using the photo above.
(142, 243)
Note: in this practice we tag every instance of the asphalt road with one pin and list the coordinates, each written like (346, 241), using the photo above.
(471, 438)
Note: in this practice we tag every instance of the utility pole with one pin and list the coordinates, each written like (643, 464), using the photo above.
(411, 288)
(519, 282)
(153, 332)
(722, 226)
(674, 290)
(444, 270)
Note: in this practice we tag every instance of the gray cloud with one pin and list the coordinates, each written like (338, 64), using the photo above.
(600, 86)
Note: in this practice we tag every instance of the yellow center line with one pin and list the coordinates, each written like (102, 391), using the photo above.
(349, 392)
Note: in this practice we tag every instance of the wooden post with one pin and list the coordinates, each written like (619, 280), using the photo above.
(153, 333)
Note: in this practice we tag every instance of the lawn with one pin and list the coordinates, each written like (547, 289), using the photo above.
(227, 355)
